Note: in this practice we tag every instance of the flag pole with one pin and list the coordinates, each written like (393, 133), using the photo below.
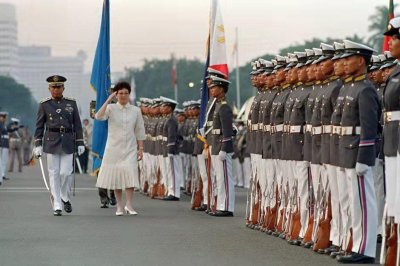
(237, 70)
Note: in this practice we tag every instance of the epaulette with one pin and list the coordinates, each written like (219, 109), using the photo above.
(69, 98)
(347, 80)
(45, 100)
(363, 76)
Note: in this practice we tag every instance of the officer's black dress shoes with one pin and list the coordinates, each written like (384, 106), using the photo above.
(202, 208)
(296, 242)
(337, 253)
(67, 206)
(309, 244)
(113, 202)
(329, 250)
(104, 204)
(356, 258)
(57, 213)
(171, 198)
(221, 214)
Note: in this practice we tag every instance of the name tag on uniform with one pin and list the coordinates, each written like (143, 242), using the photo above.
(395, 80)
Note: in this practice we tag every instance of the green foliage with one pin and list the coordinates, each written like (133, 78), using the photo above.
(16, 99)
(378, 25)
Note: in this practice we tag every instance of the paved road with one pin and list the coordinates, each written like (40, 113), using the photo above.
(164, 233)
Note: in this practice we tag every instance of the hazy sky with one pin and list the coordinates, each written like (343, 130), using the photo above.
(156, 28)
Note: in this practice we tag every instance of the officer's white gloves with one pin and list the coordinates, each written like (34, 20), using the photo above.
(222, 155)
(361, 169)
(81, 150)
(37, 151)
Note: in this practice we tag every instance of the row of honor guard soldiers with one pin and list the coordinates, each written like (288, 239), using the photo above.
(314, 138)
(178, 156)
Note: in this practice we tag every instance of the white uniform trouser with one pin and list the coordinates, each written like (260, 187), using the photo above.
(391, 180)
(153, 169)
(316, 174)
(256, 174)
(163, 169)
(237, 172)
(60, 167)
(225, 188)
(278, 179)
(263, 181)
(379, 191)
(269, 173)
(397, 199)
(363, 212)
(194, 172)
(288, 178)
(301, 172)
(334, 189)
(185, 167)
(246, 171)
(173, 177)
(3, 162)
(203, 174)
(344, 190)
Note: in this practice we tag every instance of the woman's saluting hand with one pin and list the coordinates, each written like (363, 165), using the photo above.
(111, 97)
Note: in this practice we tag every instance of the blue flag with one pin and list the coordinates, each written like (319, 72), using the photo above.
(101, 83)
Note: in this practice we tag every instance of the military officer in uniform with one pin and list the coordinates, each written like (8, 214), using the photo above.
(359, 125)
(58, 133)
(222, 149)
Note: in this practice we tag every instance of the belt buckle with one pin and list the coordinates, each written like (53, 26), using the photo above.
(62, 129)
(388, 116)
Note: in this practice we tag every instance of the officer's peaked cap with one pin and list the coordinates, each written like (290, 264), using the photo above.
(393, 27)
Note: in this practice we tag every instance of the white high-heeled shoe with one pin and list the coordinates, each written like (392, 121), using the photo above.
(130, 212)
(119, 213)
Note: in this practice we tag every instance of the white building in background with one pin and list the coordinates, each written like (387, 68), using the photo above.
(8, 40)
(36, 63)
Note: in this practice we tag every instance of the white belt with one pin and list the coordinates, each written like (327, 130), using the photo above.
(327, 129)
(209, 123)
(295, 129)
(391, 116)
(153, 138)
(277, 128)
(350, 131)
(336, 130)
(5, 136)
(316, 130)
(254, 127)
(216, 131)
(267, 128)
(249, 123)
(164, 139)
(159, 137)
(308, 128)
(286, 128)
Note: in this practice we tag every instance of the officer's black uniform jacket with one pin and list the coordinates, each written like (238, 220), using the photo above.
(361, 109)
(4, 138)
(170, 131)
(330, 93)
(316, 122)
(191, 135)
(266, 145)
(277, 113)
(222, 121)
(391, 103)
(152, 133)
(160, 143)
(379, 141)
(307, 148)
(252, 121)
(58, 126)
(181, 134)
(185, 133)
(298, 118)
(259, 133)
(286, 121)
(146, 130)
(336, 117)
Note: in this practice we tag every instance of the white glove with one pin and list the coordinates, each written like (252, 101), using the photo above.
(81, 150)
(222, 155)
(37, 151)
(361, 169)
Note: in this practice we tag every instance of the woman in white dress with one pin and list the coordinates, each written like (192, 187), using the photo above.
(119, 167)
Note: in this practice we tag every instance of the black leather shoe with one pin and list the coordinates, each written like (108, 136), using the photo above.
(269, 232)
(296, 242)
(221, 214)
(171, 198)
(338, 253)
(329, 250)
(202, 208)
(104, 204)
(57, 213)
(276, 234)
(356, 258)
(67, 206)
(309, 244)
(113, 202)
(282, 236)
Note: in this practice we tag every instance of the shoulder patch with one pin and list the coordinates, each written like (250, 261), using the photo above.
(45, 100)
(69, 98)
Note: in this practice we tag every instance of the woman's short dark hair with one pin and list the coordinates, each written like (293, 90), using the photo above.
(122, 85)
